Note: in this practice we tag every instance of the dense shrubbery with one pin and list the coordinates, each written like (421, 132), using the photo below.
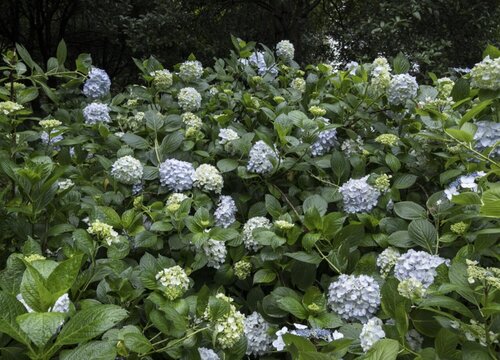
(252, 209)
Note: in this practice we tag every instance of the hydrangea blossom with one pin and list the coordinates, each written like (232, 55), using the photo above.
(162, 79)
(381, 74)
(225, 213)
(52, 139)
(412, 289)
(260, 158)
(227, 135)
(326, 141)
(249, 227)
(176, 175)
(9, 107)
(352, 147)
(207, 354)
(104, 232)
(97, 84)
(191, 120)
(414, 340)
(285, 50)
(49, 123)
(386, 260)
(402, 87)
(298, 84)
(65, 184)
(444, 86)
(216, 252)
(174, 201)
(463, 182)
(351, 67)
(190, 70)
(487, 135)
(208, 178)
(95, 113)
(418, 265)
(257, 59)
(127, 170)
(279, 343)
(354, 297)
(242, 269)
(486, 74)
(256, 331)
(230, 327)
(316, 334)
(371, 333)
(359, 196)
(189, 99)
(61, 305)
(174, 280)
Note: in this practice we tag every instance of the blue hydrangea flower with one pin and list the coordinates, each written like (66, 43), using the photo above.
(176, 175)
(97, 84)
(260, 158)
(326, 141)
(95, 113)
(402, 87)
(359, 196)
(225, 213)
(487, 135)
(418, 265)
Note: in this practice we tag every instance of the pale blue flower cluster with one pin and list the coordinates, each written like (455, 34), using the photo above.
(371, 333)
(216, 252)
(95, 113)
(225, 213)
(260, 158)
(463, 182)
(176, 175)
(418, 265)
(257, 333)
(487, 135)
(189, 99)
(354, 297)
(257, 59)
(127, 170)
(44, 136)
(207, 354)
(97, 84)
(359, 196)
(402, 87)
(326, 141)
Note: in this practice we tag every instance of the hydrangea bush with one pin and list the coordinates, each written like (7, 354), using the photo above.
(251, 209)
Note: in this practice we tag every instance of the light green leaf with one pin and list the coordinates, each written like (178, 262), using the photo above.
(95, 350)
(40, 327)
(409, 210)
(385, 349)
(11, 308)
(423, 234)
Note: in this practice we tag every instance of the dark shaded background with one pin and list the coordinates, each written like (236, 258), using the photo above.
(436, 34)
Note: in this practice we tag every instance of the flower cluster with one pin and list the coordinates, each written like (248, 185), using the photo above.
(487, 136)
(486, 74)
(227, 135)
(326, 141)
(97, 84)
(252, 224)
(298, 84)
(316, 334)
(9, 107)
(49, 123)
(359, 196)
(402, 87)
(216, 252)
(190, 71)
(354, 297)
(418, 265)
(257, 333)
(371, 333)
(174, 201)
(444, 86)
(50, 138)
(261, 156)
(352, 146)
(162, 79)
(230, 327)
(490, 275)
(381, 74)
(412, 289)
(207, 354)
(463, 182)
(127, 170)
(189, 99)
(104, 232)
(225, 212)
(96, 113)
(208, 178)
(257, 59)
(174, 280)
(283, 224)
(242, 269)
(65, 184)
(475, 332)
(176, 175)
(386, 260)
(387, 139)
(191, 120)
(62, 304)
(285, 50)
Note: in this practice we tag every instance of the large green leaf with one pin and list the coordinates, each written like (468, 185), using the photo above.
(40, 327)
(11, 308)
(423, 234)
(95, 350)
(64, 275)
(385, 349)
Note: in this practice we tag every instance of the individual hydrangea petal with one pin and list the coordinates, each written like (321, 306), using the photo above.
(418, 265)
(354, 297)
(249, 227)
(225, 213)
(260, 158)
(402, 87)
(208, 178)
(176, 175)
(285, 50)
(256, 332)
(371, 333)
(189, 99)
(95, 113)
(190, 70)
(174, 280)
(97, 84)
(127, 170)
(486, 74)
(359, 196)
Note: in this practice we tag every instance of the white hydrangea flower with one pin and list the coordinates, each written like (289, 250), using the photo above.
(285, 50)
(486, 74)
(371, 333)
(208, 354)
(191, 120)
(351, 66)
(174, 280)
(418, 265)
(127, 170)
(354, 297)
(316, 334)
(260, 158)
(189, 99)
(381, 74)
(216, 253)
(61, 305)
(97, 84)
(279, 344)
(487, 135)
(249, 227)
(256, 332)
(414, 340)
(359, 196)
(104, 232)
(386, 260)
(65, 184)
(225, 213)
(9, 107)
(191, 70)
(227, 135)
(208, 178)
(352, 147)
(162, 79)
(326, 141)
(174, 201)
(176, 175)
(444, 86)
(402, 87)
(412, 289)
(298, 84)
(95, 113)
(230, 328)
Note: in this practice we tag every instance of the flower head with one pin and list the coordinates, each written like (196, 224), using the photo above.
(386, 260)
(162, 79)
(261, 156)
(359, 196)
(298, 84)
(207, 354)
(487, 136)
(412, 289)
(252, 224)
(97, 84)
(486, 74)
(257, 334)
(371, 333)
(127, 170)
(208, 178)
(387, 139)
(174, 201)
(216, 252)
(285, 50)
(189, 99)
(9, 107)
(104, 232)
(95, 113)
(225, 213)
(174, 280)
(418, 265)
(326, 141)
(402, 87)
(176, 175)
(190, 71)
(242, 269)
